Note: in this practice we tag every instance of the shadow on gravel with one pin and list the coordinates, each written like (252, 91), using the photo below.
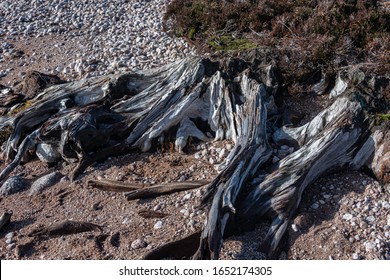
(16, 226)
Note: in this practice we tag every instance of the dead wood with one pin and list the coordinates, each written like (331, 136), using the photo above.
(65, 228)
(86, 121)
(163, 189)
(251, 151)
(113, 186)
(5, 219)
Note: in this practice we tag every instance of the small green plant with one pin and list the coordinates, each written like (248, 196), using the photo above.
(228, 43)
(191, 33)
(20, 107)
(381, 118)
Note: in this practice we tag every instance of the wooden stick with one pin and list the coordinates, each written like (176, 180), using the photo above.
(162, 189)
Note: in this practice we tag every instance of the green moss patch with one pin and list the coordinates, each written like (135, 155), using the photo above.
(228, 43)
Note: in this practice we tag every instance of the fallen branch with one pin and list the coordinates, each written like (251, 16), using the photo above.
(113, 186)
(65, 228)
(163, 189)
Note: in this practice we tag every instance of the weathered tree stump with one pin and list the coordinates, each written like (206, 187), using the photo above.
(89, 120)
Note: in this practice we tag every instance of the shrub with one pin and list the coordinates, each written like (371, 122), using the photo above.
(304, 34)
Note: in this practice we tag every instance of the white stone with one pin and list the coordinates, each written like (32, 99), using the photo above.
(370, 219)
(347, 216)
(369, 246)
(10, 235)
(158, 225)
(294, 227)
(187, 196)
(355, 256)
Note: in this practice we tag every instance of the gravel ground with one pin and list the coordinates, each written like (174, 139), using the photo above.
(342, 216)
(78, 39)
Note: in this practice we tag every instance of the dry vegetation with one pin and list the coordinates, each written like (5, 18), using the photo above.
(307, 36)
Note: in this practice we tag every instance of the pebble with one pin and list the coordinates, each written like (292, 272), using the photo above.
(10, 235)
(191, 223)
(355, 256)
(315, 205)
(369, 246)
(126, 221)
(45, 182)
(347, 216)
(9, 241)
(370, 219)
(229, 147)
(223, 153)
(13, 185)
(386, 205)
(138, 244)
(158, 207)
(187, 197)
(11, 246)
(294, 227)
(158, 225)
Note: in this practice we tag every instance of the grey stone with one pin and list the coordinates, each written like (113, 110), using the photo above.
(370, 220)
(138, 244)
(13, 185)
(47, 153)
(45, 182)
(315, 205)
